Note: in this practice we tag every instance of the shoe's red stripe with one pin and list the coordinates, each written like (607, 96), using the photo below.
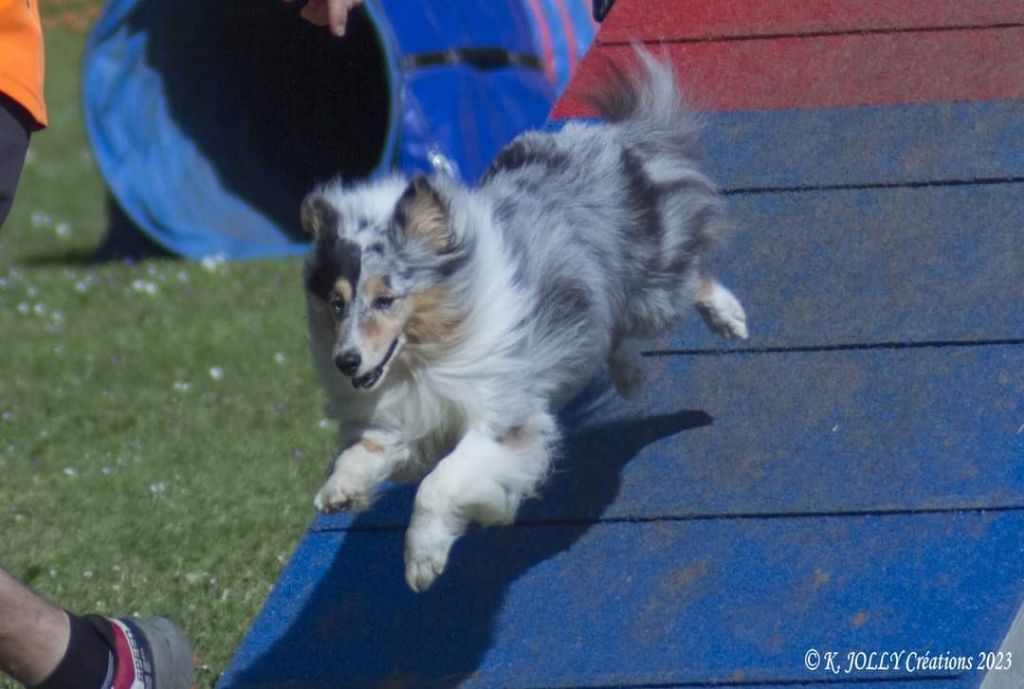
(657, 20)
(827, 71)
(124, 677)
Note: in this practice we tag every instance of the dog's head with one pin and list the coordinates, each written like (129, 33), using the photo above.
(379, 277)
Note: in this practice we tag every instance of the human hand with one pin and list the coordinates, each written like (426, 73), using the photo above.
(333, 13)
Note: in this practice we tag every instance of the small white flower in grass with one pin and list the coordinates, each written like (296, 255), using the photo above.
(158, 488)
(145, 286)
(40, 219)
(181, 386)
(280, 358)
(5, 283)
(196, 578)
(53, 573)
(8, 415)
(31, 291)
(214, 264)
(24, 309)
(325, 424)
(39, 309)
(63, 230)
(70, 471)
(85, 283)
(216, 372)
(88, 574)
(106, 471)
(182, 276)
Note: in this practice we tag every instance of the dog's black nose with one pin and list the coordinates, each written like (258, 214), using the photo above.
(348, 362)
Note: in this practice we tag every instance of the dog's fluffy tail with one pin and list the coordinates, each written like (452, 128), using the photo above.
(645, 98)
(661, 156)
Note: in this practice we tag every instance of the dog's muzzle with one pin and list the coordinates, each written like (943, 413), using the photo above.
(368, 380)
(348, 362)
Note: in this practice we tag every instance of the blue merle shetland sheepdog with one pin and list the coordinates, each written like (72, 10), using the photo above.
(448, 323)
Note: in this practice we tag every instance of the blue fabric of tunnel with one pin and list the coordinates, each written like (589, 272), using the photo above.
(210, 121)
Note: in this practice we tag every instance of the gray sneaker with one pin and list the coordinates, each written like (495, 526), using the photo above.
(160, 652)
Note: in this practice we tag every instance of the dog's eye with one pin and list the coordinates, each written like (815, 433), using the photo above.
(337, 306)
(383, 303)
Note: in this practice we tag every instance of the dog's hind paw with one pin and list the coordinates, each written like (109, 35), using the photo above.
(427, 545)
(722, 311)
(629, 374)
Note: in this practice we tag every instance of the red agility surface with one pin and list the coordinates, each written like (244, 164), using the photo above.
(830, 71)
(690, 20)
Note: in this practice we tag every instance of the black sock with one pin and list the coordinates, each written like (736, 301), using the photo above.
(89, 661)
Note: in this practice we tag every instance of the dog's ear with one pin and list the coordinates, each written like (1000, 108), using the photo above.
(423, 214)
(319, 217)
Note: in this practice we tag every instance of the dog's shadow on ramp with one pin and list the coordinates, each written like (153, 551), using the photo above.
(356, 624)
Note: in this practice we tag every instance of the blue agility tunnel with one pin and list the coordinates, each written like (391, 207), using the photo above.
(210, 121)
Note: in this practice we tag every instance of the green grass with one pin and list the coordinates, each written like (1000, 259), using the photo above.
(133, 480)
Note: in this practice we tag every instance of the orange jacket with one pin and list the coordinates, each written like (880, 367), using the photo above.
(21, 56)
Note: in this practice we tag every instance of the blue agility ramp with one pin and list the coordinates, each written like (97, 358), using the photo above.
(849, 480)
(211, 120)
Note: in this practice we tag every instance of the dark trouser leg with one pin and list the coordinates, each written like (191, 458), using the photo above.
(15, 128)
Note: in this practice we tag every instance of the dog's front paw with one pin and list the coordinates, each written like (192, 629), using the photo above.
(427, 544)
(337, 495)
(421, 573)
